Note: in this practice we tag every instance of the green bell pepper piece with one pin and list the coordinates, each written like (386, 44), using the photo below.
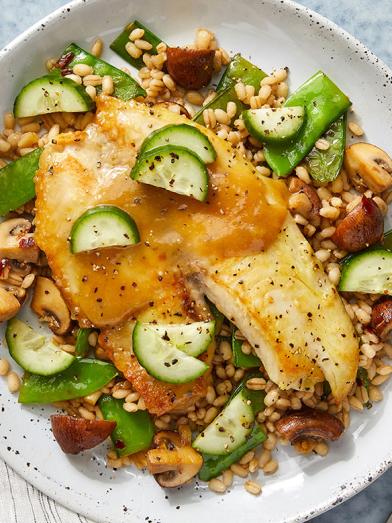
(134, 430)
(82, 346)
(324, 166)
(242, 360)
(363, 377)
(324, 103)
(80, 379)
(17, 181)
(218, 316)
(387, 243)
(213, 466)
(118, 45)
(125, 87)
(238, 69)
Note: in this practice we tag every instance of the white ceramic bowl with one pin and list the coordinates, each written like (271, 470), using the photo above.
(273, 34)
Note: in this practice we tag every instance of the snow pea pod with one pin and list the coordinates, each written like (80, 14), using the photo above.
(125, 87)
(82, 346)
(134, 430)
(17, 181)
(118, 45)
(387, 243)
(238, 69)
(324, 103)
(242, 360)
(80, 379)
(324, 165)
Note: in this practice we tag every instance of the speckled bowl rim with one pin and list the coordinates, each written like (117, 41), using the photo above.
(358, 483)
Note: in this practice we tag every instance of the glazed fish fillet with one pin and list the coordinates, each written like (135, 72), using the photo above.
(286, 307)
(235, 244)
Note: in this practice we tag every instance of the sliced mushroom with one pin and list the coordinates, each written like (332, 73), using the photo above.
(75, 435)
(309, 423)
(362, 227)
(368, 166)
(172, 463)
(48, 303)
(298, 186)
(17, 242)
(382, 317)
(190, 68)
(9, 305)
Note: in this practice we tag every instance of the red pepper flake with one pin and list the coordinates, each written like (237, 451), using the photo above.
(119, 444)
(4, 265)
(64, 60)
(26, 243)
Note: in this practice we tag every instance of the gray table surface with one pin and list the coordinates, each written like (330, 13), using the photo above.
(368, 20)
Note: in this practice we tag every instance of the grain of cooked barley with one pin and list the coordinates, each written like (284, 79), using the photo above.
(332, 213)
(143, 45)
(302, 173)
(204, 39)
(107, 85)
(82, 70)
(256, 384)
(227, 478)
(253, 487)
(195, 98)
(353, 203)
(230, 371)
(271, 397)
(216, 485)
(384, 370)
(234, 137)
(327, 232)
(299, 202)
(132, 397)
(132, 407)
(355, 403)
(92, 79)
(136, 52)
(270, 442)
(220, 400)
(271, 467)
(4, 367)
(210, 414)
(381, 204)
(238, 375)
(239, 470)
(141, 404)
(222, 117)
(323, 255)
(91, 91)
(321, 448)
(50, 63)
(247, 458)
(92, 399)
(86, 414)
(356, 129)
(120, 394)
(5, 146)
(28, 140)
(322, 144)
(26, 150)
(209, 118)
(97, 48)
(375, 393)
(263, 171)
(136, 34)
(380, 379)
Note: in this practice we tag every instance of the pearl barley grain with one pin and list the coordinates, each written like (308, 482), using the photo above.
(4, 367)
(13, 382)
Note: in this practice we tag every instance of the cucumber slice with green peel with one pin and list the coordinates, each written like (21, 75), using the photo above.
(103, 226)
(34, 352)
(274, 125)
(17, 181)
(369, 271)
(229, 429)
(387, 243)
(175, 169)
(51, 94)
(118, 45)
(161, 359)
(125, 87)
(183, 135)
(193, 339)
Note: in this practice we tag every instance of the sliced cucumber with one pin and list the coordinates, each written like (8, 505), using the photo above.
(103, 226)
(183, 135)
(275, 125)
(175, 169)
(51, 94)
(229, 430)
(33, 352)
(161, 360)
(369, 271)
(193, 339)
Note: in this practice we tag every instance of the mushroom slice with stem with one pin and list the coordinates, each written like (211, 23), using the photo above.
(171, 463)
(9, 305)
(382, 317)
(50, 306)
(309, 423)
(368, 166)
(17, 242)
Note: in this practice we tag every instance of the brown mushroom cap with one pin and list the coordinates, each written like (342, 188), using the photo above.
(48, 303)
(190, 68)
(172, 463)
(77, 434)
(368, 166)
(296, 185)
(309, 423)
(382, 317)
(17, 242)
(9, 305)
(361, 228)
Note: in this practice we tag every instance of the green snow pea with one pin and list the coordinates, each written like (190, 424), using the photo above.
(387, 243)
(82, 346)
(125, 87)
(134, 430)
(238, 69)
(80, 379)
(324, 103)
(242, 360)
(17, 181)
(324, 166)
(213, 466)
(118, 45)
